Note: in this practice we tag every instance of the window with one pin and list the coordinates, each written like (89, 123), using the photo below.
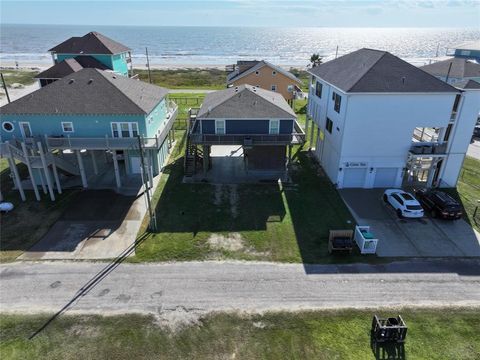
(338, 100)
(274, 127)
(312, 80)
(274, 73)
(329, 125)
(124, 129)
(25, 129)
(455, 104)
(274, 87)
(447, 132)
(67, 126)
(318, 89)
(220, 127)
(8, 126)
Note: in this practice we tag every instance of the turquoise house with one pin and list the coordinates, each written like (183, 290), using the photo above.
(92, 50)
(87, 119)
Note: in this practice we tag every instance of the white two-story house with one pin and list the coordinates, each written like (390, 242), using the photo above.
(381, 122)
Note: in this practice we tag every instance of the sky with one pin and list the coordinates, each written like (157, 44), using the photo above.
(338, 13)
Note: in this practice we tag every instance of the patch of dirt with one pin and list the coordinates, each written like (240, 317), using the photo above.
(84, 330)
(231, 242)
(259, 324)
(178, 318)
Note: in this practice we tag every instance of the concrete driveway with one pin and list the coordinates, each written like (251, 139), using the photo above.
(98, 224)
(425, 237)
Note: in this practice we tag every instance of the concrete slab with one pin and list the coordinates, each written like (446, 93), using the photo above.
(410, 237)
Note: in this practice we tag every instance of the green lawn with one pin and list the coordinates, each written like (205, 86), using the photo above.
(30, 220)
(247, 221)
(211, 79)
(185, 101)
(468, 190)
(432, 334)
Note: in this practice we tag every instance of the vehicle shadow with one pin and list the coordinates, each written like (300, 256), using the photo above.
(387, 350)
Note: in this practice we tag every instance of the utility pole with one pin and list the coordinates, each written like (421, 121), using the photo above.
(145, 177)
(5, 87)
(148, 67)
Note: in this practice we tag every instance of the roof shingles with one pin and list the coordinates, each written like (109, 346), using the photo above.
(91, 43)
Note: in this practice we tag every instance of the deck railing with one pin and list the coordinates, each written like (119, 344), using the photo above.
(428, 148)
(297, 137)
(113, 143)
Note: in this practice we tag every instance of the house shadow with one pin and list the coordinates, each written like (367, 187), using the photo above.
(215, 208)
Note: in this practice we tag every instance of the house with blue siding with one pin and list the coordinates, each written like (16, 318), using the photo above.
(93, 50)
(258, 121)
(89, 124)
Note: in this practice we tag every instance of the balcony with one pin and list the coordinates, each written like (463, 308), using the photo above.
(428, 148)
(113, 143)
(297, 137)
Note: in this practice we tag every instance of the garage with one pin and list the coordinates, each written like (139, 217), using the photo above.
(354, 178)
(385, 177)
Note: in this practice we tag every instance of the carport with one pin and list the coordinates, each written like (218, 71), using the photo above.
(425, 237)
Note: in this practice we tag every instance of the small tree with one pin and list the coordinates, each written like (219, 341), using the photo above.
(315, 60)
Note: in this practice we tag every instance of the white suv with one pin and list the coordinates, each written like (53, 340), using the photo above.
(404, 203)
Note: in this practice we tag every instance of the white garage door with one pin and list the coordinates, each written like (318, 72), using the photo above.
(135, 162)
(385, 177)
(354, 178)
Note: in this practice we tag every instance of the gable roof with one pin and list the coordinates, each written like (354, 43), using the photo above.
(91, 43)
(461, 68)
(90, 91)
(245, 102)
(234, 76)
(376, 71)
(467, 84)
(69, 66)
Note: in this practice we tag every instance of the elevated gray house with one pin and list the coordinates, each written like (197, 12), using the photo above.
(258, 121)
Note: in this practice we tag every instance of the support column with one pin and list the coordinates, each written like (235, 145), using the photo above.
(205, 159)
(312, 131)
(57, 179)
(94, 162)
(289, 154)
(42, 181)
(30, 171)
(82, 169)
(46, 171)
(117, 171)
(307, 123)
(16, 176)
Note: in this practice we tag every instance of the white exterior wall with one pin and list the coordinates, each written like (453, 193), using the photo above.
(459, 141)
(375, 131)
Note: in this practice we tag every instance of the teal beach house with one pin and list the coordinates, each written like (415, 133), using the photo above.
(93, 50)
(87, 129)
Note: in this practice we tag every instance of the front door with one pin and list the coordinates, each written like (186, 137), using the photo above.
(25, 130)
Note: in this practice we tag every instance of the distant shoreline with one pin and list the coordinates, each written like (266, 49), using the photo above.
(32, 66)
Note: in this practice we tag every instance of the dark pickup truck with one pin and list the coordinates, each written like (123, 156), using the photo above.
(439, 204)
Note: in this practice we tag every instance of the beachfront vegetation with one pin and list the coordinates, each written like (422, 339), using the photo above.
(203, 79)
(23, 77)
(432, 334)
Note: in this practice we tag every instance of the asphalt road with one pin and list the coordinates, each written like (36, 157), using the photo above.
(215, 286)
(474, 150)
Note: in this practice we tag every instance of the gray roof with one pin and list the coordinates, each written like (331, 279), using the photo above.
(90, 91)
(91, 43)
(245, 102)
(69, 66)
(461, 68)
(467, 84)
(368, 70)
(235, 75)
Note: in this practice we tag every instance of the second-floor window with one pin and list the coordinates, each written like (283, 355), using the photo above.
(318, 89)
(274, 88)
(274, 127)
(220, 127)
(124, 129)
(329, 125)
(338, 101)
(67, 126)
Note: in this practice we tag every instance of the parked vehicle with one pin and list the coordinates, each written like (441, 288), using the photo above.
(404, 203)
(476, 132)
(440, 204)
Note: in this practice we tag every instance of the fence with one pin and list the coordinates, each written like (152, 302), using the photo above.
(184, 104)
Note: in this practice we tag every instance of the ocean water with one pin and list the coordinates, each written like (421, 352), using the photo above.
(225, 45)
